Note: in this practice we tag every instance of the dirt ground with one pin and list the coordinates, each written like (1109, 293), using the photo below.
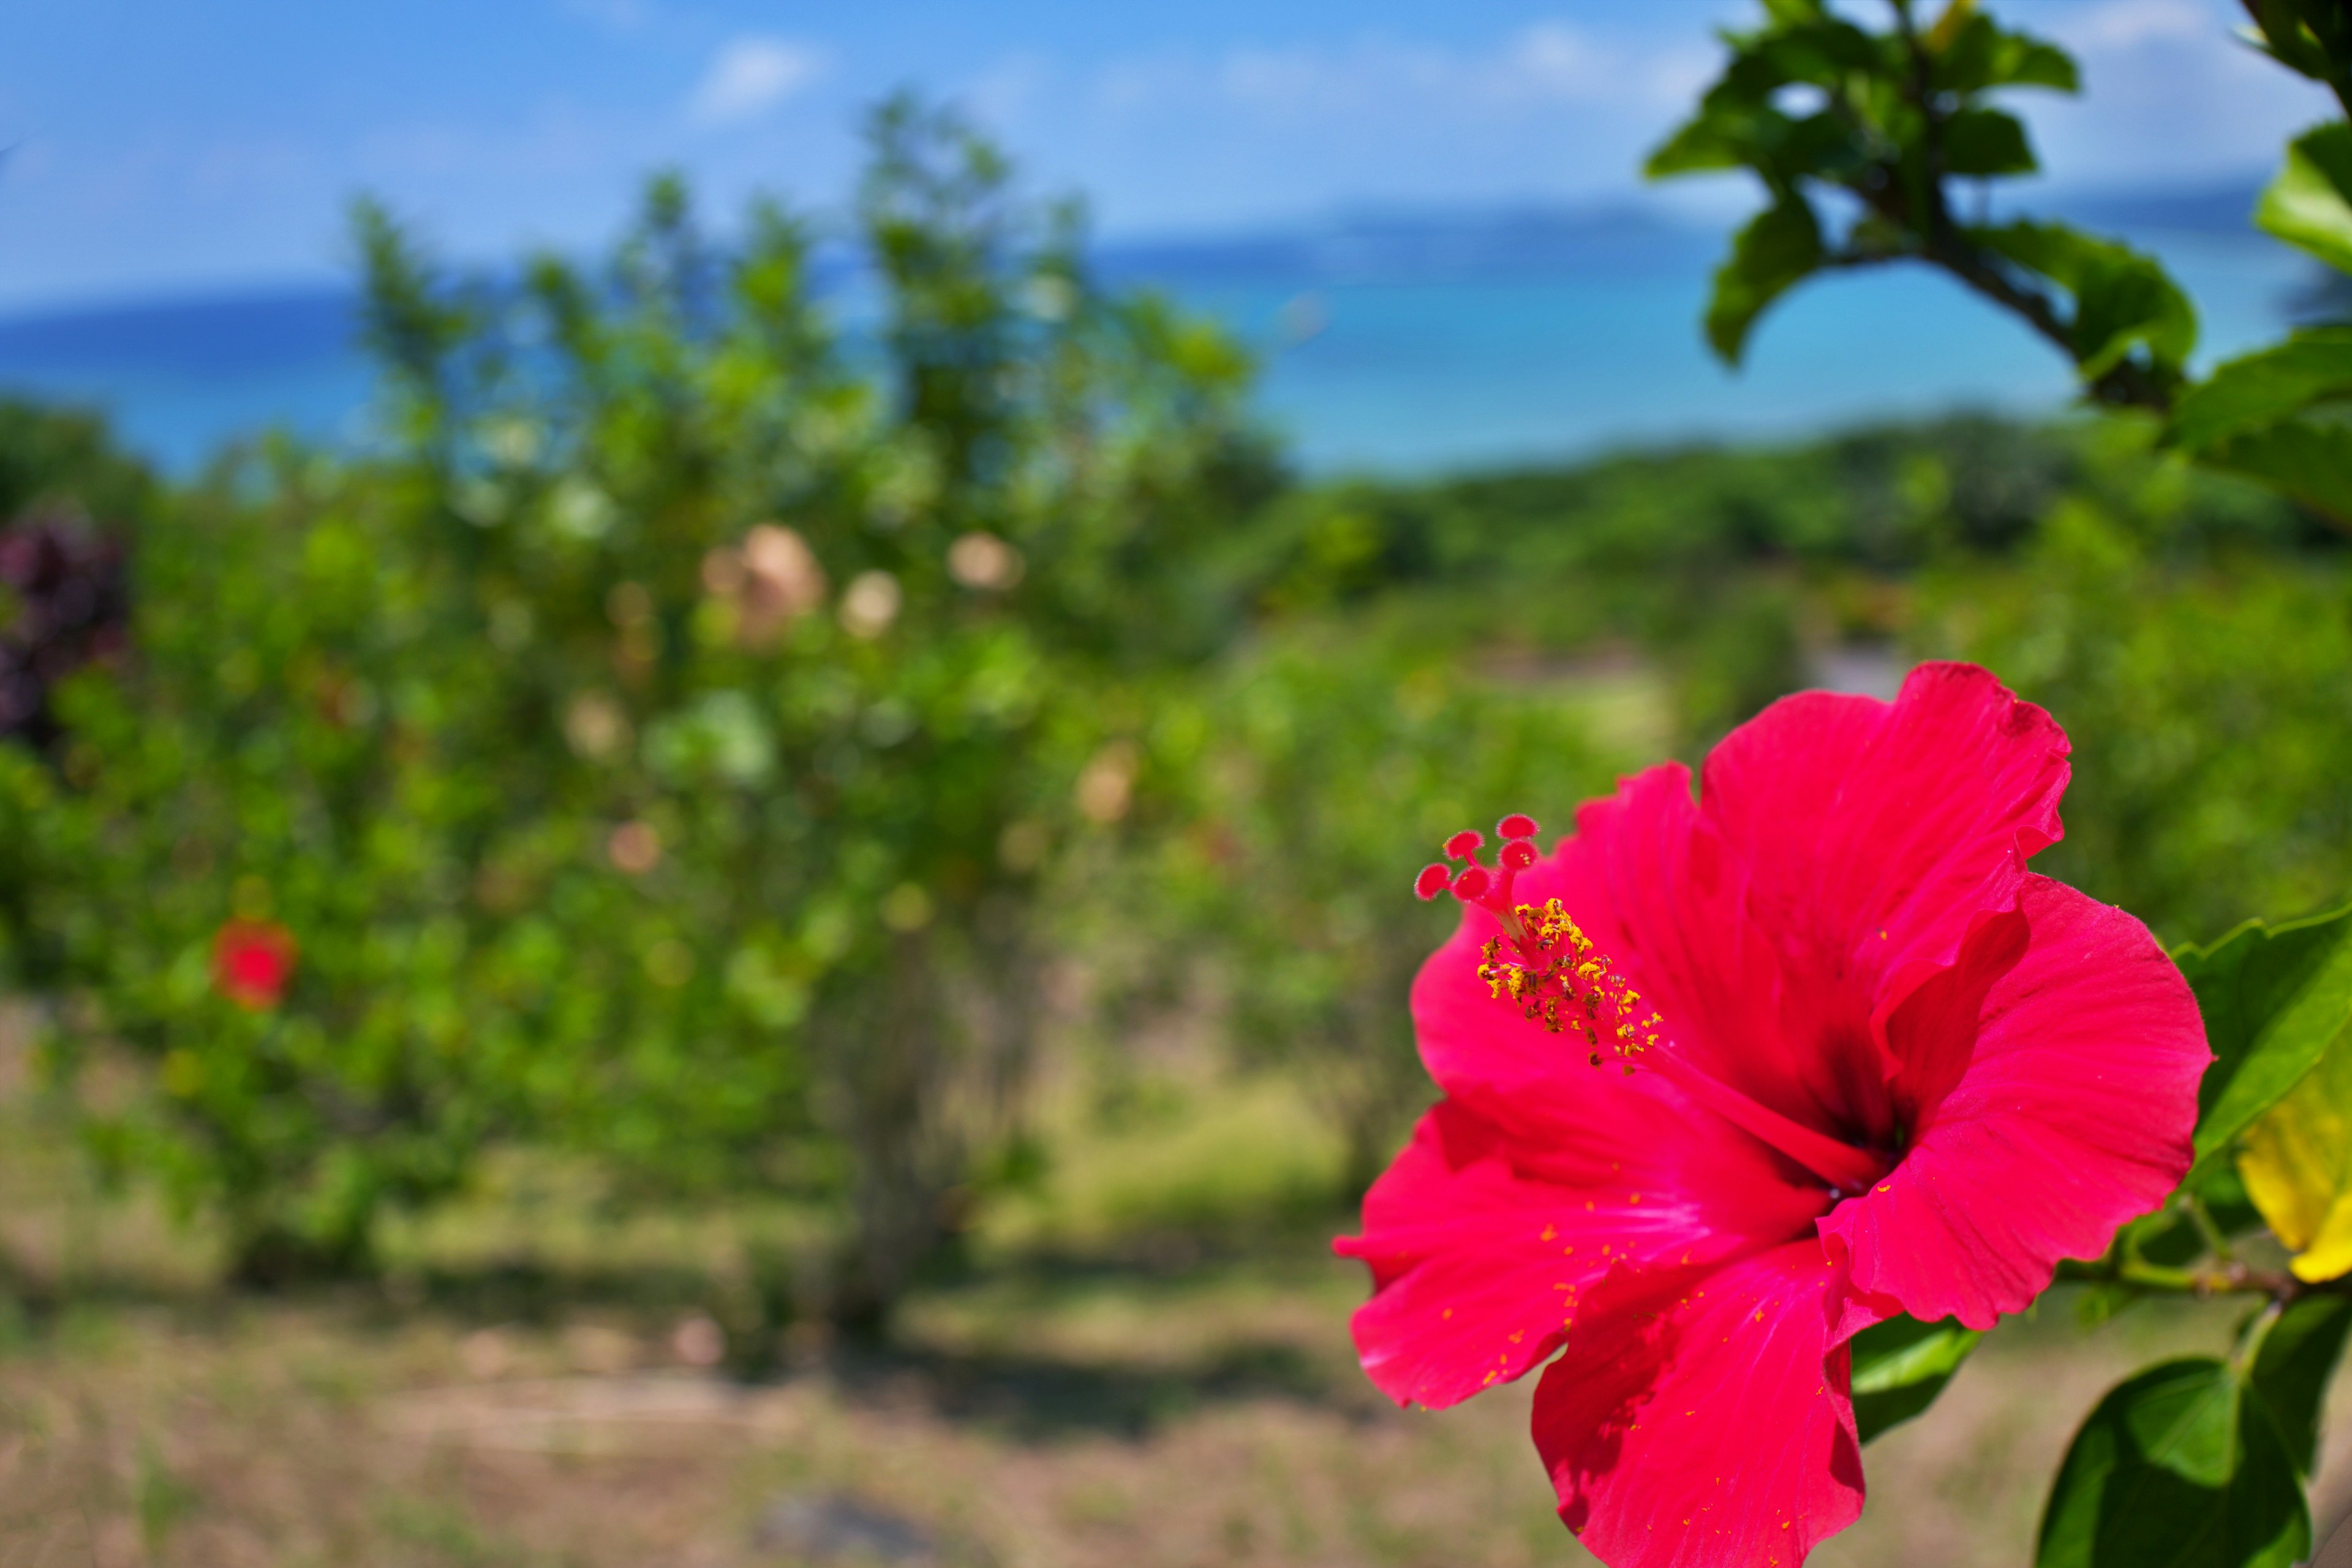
(1062, 1416)
(532, 1387)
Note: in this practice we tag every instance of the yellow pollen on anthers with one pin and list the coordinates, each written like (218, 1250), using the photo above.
(1552, 971)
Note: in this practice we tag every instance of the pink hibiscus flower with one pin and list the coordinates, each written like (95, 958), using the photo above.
(1726, 1081)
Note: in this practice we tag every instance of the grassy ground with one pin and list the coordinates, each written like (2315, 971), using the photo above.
(1103, 1387)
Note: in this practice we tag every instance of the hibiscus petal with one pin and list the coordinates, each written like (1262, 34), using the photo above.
(1645, 877)
(2054, 1069)
(1703, 1417)
(1491, 1223)
(1872, 833)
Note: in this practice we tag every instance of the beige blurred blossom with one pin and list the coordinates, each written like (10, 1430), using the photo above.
(634, 848)
(983, 561)
(698, 1341)
(870, 603)
(596, 727)
(773, 579)
(1107, 784)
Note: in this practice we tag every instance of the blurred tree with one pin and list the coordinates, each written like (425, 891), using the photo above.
(1320, 770)
(2204, 675)
(661, 750)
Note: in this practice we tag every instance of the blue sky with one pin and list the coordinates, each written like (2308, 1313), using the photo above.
(173, 145)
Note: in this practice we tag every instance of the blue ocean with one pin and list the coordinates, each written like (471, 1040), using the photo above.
(1404, 344)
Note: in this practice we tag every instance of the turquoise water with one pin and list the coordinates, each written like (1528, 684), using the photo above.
(1419, 376)
(1382, 354)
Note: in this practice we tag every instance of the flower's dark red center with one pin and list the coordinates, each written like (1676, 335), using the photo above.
(1545, 965)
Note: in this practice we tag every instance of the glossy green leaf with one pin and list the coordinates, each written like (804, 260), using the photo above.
(2273, 998)
(2308, 458)
(2181, 1467)
(1712, 138)
(2123, 300)
(1900, 1366)
(1821, 53)
(2282, 416)
(2293, 1366)
(1985, 142)
(2310, 37)
(1778, 249)
(2262, 389)
(2309, 202)
(1778, 147)
(1977, 54)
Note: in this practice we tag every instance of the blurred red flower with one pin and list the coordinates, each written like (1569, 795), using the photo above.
(252, 962)
(1853, 1059)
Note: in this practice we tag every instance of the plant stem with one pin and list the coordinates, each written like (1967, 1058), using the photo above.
(2202, 1218)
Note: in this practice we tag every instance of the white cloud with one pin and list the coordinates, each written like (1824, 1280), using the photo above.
(2168, 95)
(1550, 62)
(1559, 57)
(749, 76)
(2126, 24)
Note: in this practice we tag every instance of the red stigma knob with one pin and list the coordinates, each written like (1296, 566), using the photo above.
(1518, 855)
(1517, 825)
(1432, 880)
(1465, 844)
(1471, 885)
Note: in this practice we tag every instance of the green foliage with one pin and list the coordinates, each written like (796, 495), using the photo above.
(2280, 415)
(2202, 1461)
(56, 457)
(2310, 38)
(2309, 204)
(2123, 301)
(2273, 998)
(297, 742)
(1781, 248)
(667, 750)
(2203, 680)
(1830, 117)
(1321, 770)
(1900, 1366)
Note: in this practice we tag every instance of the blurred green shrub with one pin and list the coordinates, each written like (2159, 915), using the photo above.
(664, 747)
(1324, 766)
(298, 740)
(65, 460)
(2207, 686)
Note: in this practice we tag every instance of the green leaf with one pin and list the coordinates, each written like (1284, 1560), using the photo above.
(1778, 147)
(1981, 144)
(2279, 416)
(1979, 54)
(2263, 389)
(1820, 54)
(2180, 1467)
(2297, 34)
(1779, 247)
(2292, 1368)
(2308, 458)
(1711, 139)
(2309, 204)
(2123, 299)
(1900, 1365)
(2274, 998)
